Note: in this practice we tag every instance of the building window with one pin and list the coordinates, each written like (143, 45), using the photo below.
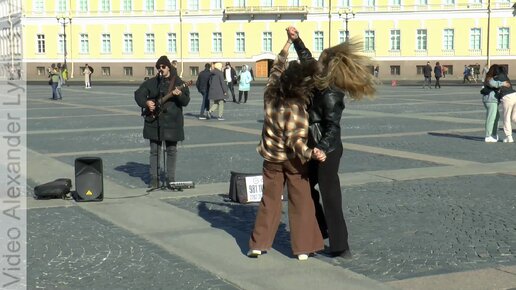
(475, 38)
(503, 38)
(293, 2)
(343, 4)
(41, 43)
(127, 5)
(105, 5)
(370, 3)
(395, 2)
(423, 2)
(193, 4)
(60, 43)
(395, 39)
(149, 43)
(149, 70)
(267, 3)
(448, 35)
(83, 6)
(194, 71)
(267, 41)
(172, 42)
(62, 6)
(106, 43)
(149, 6)
(85, 43)
(449, 2)
(395, 70)
(449, 69)
(342, 36)
(128, 71)
(194, 42)
(240, 3)
(419, 69)
(38, 6)
(171, 5)
(421, 39)
(369, 40)
(319, 3)
(240, 42)
(128, 43)
(318, 41)
(216, 4)
(41, 71)
(105, 70)
(217, 42)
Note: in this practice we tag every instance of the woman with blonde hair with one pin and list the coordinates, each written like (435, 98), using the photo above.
(341, 70)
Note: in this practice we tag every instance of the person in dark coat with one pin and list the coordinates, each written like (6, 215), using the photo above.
(438, 73)
(164, 120)
(342, 70)
(202, 85)
(427, 73)
(218, 91)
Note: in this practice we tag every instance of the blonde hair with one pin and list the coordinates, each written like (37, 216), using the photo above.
(218, 65)
(345, 68)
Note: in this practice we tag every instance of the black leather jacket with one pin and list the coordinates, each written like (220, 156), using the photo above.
(324, 112)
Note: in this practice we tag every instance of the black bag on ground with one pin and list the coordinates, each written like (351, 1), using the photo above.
(238, 187)
(58, 188)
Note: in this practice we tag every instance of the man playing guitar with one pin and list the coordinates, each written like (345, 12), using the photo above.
(162, 99)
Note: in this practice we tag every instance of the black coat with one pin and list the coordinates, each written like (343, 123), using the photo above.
(325, 111)
(169, 125)
(324, 114)
(203, 79)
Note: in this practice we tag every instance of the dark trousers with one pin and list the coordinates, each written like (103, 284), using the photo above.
(437, 84)
(231, 88)
(171, 156)
(205, 105)
(240, 96)
(331, 219)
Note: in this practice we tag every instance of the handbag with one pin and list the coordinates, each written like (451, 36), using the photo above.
(245, 187)
(58, 188)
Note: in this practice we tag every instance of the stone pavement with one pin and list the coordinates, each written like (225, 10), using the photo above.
(429, 205)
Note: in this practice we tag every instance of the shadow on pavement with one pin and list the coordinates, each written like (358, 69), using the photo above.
(238, 221)
(449, 135)
(135, 169)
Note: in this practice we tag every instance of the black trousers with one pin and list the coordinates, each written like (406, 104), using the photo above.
(231, 88)
(240, 96)
(171, 156)
(331, 219)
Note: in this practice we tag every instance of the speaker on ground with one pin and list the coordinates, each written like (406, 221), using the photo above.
(89, 184)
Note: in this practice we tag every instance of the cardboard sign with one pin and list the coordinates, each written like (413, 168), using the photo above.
(254, 188)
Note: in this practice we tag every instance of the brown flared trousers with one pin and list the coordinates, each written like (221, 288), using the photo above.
(305, 236)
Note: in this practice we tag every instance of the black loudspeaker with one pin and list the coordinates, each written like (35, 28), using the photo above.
(89, 185)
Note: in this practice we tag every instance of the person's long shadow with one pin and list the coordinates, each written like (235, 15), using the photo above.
(450, 135)
(238, 221)
(136, 169)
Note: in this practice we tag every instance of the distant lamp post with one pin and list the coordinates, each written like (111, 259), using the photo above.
(514, 9)
(488, 31)
(348, 14)
(64, 21)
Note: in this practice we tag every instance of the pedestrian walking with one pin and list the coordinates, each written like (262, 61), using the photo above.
(427, 73)
(202, 85)
(244, 84)
(230, 77)
(438, 72)
(217, 92)
(87, 73)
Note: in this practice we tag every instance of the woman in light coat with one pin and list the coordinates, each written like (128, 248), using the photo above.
(244, 83)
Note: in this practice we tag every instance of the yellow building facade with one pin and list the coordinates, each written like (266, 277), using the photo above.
(122, 39)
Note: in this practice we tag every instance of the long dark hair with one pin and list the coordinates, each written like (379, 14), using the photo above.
(295, 84)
